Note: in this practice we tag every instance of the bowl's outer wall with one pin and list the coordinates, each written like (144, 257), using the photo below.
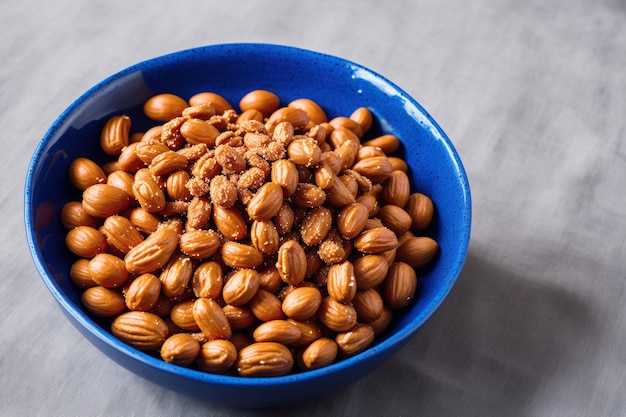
(232, 71)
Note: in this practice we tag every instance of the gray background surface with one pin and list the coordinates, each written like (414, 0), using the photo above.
(532, 94)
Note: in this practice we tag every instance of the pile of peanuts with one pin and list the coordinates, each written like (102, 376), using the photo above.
(257, 242)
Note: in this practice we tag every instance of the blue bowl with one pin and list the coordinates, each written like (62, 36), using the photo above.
(232, 70)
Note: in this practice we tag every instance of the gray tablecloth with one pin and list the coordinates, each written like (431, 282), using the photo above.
(533, 96)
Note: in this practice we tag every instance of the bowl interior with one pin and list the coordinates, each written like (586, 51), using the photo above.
(233, 70)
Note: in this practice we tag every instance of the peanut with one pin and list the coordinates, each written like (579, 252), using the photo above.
(141, 330)
(103, 302)
(263, 359)
(180, 349)
(84, 172)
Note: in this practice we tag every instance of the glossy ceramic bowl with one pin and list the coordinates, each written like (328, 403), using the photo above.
(232, 70)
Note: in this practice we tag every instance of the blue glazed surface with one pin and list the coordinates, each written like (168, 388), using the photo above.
(232, 70)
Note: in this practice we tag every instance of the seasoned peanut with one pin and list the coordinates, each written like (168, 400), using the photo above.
(417, 251)
(341, 282)
(291, 262)
(400, 285)
(395, 218)
(216, 356)
(143, 293)
(207, 280)
(164, 107)
(376, 240)
(266, 306)
(336, 316)
(199, 244)
(176, 275)
(302, 303)
(266, 202)
(281, 331)
(211, 319)
(182, 315)
(241, 286)
(73, 214)
(114, 136)
(180, 349)
(396, 189)
(315, 112)
(239, 317)
(356, 340)
(316, 225)
(318, 354)
(108, 270)
(149, 195)
(264, 101)
(219, 103)
(351, 220)
(230, 222)
(103, 302)
(104, 200)
(368, 304)
(241, 255)
(263, 359)
(121, 233)
(140, 329)
(420, 208)
(84, 172)
(86, 241)
(264, 236)
(79, 274)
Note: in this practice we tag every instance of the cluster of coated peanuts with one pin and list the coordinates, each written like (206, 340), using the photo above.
(256, 242)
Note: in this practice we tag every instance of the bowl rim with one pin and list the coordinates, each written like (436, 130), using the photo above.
(80, 318)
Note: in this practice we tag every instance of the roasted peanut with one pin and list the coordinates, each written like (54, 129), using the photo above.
(143, 293)
(230, 222)
(400, 285)
(316, 225)
(180, 349)
(417, 251)
(241, 255)
(264, 101)
(341, 282)
(396, 189)
(241, 286)
(86, 241)
(140, 329)
(84, 172)
(79, 274)
(104, 200)
(337, 316)
(211, 319)
(420, 208)
(291, 262)
(266, 202)
(281, 331)
(164, 107)
(315, 112)
(322, 352)
(108, 270)
(264, 236)
(199, 244)
(216, 356)
(263, 359)
(103, 302)
(302, 303)
(356, 340)
(114, 136)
